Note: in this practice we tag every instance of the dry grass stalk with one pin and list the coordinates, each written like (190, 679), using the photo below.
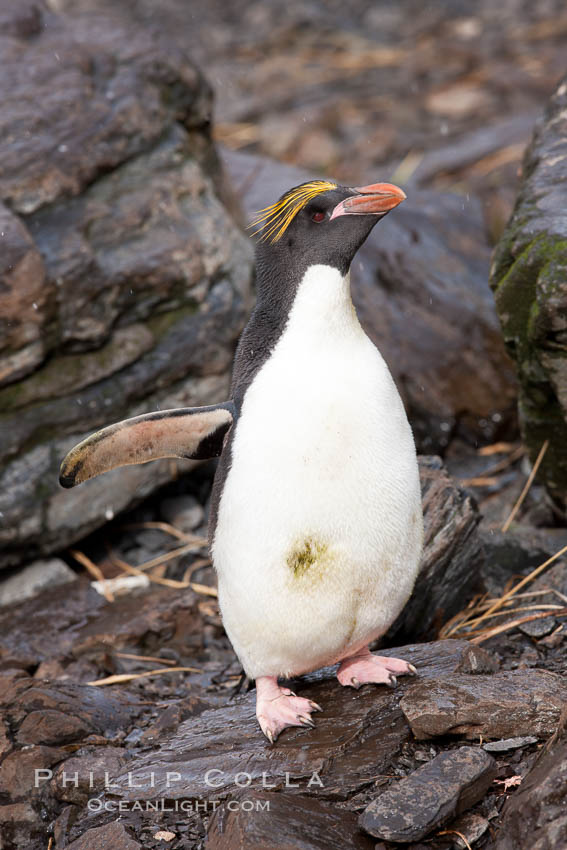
(456, 832)
(482, 608)
(527, 486)
(196, 565)
(504, 627)
(168, 661)
(407, 167)
(128, 677)
(497, 449)
(202, 589)
(197, 541)
(168, 556)
(94, 570)
(487, 478)
(492, 161)
(479, 481)
(506, 596)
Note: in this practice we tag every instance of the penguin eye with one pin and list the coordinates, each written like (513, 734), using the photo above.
(318, 216)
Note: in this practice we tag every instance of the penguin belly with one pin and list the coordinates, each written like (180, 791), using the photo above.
(319, 529)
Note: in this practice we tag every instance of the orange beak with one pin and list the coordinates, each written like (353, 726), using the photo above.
(377, 199)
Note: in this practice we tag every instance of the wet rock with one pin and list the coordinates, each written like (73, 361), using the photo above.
(18, 770)
(169, 719)
(85, 625)
(528, 279)
(32, 580)
(356, 738)
(449, 572)
(477, 660)
(86, 775)
(124, 281)
(419, 284)
(51, 727)
(258, 820)
(507, 704)
(61, 712)
(101, 838)
(534, 816)
(430, 796)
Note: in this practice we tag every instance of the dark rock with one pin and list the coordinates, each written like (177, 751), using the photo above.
(103, 837)
(509, 744)
(17, 771)
(283, 823)
(517, 552)
(62, 712)
(33, 579)
(19, 823)
(83, 624)
(184, 512)
(470, 826)
(534, 816)
(420, 288)
(63, 823)
(449, 572)
(530, 290)
(51, 727)
(124, 281)
(430, 796)
(477, 660)
(538, 628)
(355, 739)
(5, 745)
(507, 704)
(86, 775)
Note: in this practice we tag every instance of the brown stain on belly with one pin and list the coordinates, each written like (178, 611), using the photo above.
(307, 562)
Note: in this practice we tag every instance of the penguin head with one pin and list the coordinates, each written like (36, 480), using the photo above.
(322, 223)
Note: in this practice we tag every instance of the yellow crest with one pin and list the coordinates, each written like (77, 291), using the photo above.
(275, 219)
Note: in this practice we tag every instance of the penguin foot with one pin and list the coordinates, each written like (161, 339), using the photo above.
(277, 708)
(363, 667)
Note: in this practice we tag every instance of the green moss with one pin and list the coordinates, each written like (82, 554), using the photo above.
(162, 322)
(68, 373)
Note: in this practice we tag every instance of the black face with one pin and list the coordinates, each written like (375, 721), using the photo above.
(313, 237)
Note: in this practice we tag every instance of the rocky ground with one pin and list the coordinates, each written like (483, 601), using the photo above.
(120, 726)
(447, 757)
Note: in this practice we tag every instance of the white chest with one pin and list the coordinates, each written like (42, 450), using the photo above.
(323, 463)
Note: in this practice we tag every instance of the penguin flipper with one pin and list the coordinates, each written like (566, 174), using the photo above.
(186, 432)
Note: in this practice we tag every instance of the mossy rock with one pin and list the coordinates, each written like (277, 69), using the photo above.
(529, 280)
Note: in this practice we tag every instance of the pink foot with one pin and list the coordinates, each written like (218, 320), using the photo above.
(277, 708)
(365, 667)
